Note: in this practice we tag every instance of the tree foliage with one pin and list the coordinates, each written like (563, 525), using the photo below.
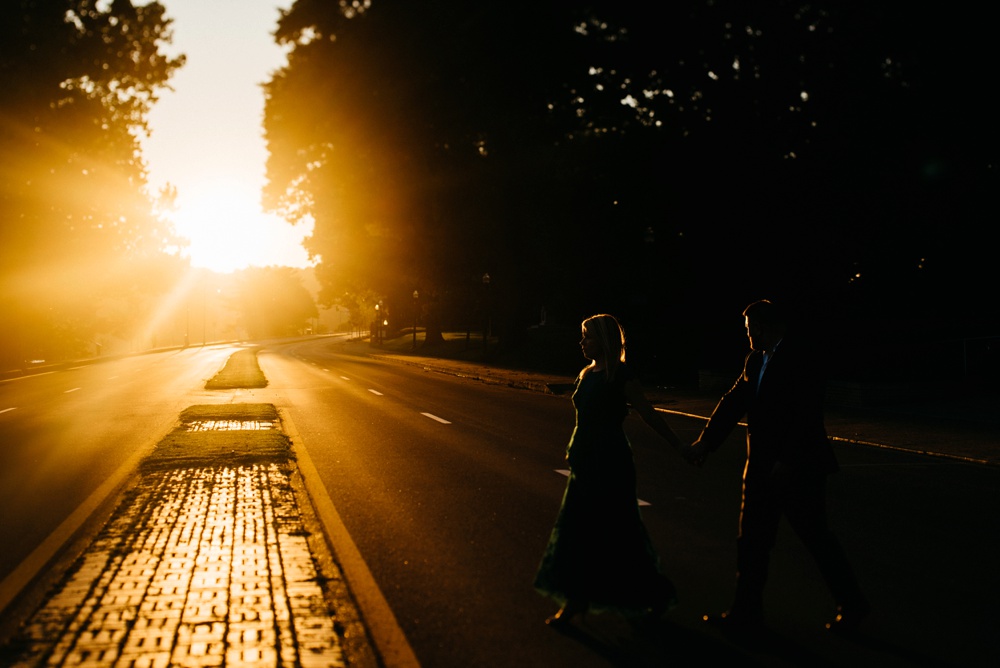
(272, 302)
(76, 222)
(647, 158)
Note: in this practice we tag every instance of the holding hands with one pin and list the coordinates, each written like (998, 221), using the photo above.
(696, 453)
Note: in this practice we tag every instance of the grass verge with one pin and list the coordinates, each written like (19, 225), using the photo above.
(222, 435)
(241, 371)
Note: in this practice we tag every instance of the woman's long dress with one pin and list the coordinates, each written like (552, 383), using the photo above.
(599, 552)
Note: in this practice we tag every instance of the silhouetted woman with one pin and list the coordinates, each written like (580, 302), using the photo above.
(599, 555)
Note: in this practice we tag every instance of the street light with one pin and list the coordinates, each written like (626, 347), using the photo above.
(486, 308)
(378, 321)
(416, 296)
(204, 313)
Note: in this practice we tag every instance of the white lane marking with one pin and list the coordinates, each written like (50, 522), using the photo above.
(376, 393)
(380, 621)
(345, 377)
(565, 472)
(435, 417)
(8, 410)
(73, 390)
(327, 370)
(34, 375)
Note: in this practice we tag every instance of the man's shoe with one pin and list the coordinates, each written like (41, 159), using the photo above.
(849, 617)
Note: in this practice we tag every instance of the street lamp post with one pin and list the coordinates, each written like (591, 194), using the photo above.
(204, 314)
(377, 334)
(486, 312)
(416, 296)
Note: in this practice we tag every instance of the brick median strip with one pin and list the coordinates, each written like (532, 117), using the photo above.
(197, 566)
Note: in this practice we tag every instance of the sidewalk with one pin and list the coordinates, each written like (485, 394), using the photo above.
(177, 578)
(212, 557)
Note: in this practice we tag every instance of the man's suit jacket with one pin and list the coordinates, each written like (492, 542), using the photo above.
(785, 430)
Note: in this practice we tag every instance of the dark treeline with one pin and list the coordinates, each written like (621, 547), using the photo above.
(667, 162)
(664, 162)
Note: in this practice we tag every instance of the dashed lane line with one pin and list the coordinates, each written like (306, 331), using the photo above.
(72, 390)
(8, 410)
(33, 375)
(429, 415)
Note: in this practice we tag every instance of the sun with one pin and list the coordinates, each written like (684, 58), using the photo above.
(227, 230)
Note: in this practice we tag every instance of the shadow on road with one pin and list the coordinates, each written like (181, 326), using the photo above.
(643, 644)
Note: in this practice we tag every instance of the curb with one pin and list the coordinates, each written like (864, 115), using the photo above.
(387, 636)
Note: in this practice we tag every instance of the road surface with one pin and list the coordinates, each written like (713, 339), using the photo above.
(449, 488)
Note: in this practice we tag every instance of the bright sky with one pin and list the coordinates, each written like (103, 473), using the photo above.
(207, 135)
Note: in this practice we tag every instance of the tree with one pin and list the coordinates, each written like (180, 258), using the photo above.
(79, 77)
(636, 157)
(273, 302)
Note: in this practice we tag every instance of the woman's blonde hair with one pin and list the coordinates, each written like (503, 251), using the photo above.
(610, 337)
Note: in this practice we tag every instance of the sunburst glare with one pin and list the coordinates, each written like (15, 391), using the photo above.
(227, 230)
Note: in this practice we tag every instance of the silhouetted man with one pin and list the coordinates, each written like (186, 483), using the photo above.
(789, 456)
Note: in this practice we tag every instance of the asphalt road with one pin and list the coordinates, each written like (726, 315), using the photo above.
(449, 488)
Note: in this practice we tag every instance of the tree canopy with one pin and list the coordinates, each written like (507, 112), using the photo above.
(78, 229)
(272, 302)
(668, 161)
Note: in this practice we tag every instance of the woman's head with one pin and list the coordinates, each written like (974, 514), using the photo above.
(603, 342)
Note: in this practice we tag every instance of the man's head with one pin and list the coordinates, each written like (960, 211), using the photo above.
(765, 323)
